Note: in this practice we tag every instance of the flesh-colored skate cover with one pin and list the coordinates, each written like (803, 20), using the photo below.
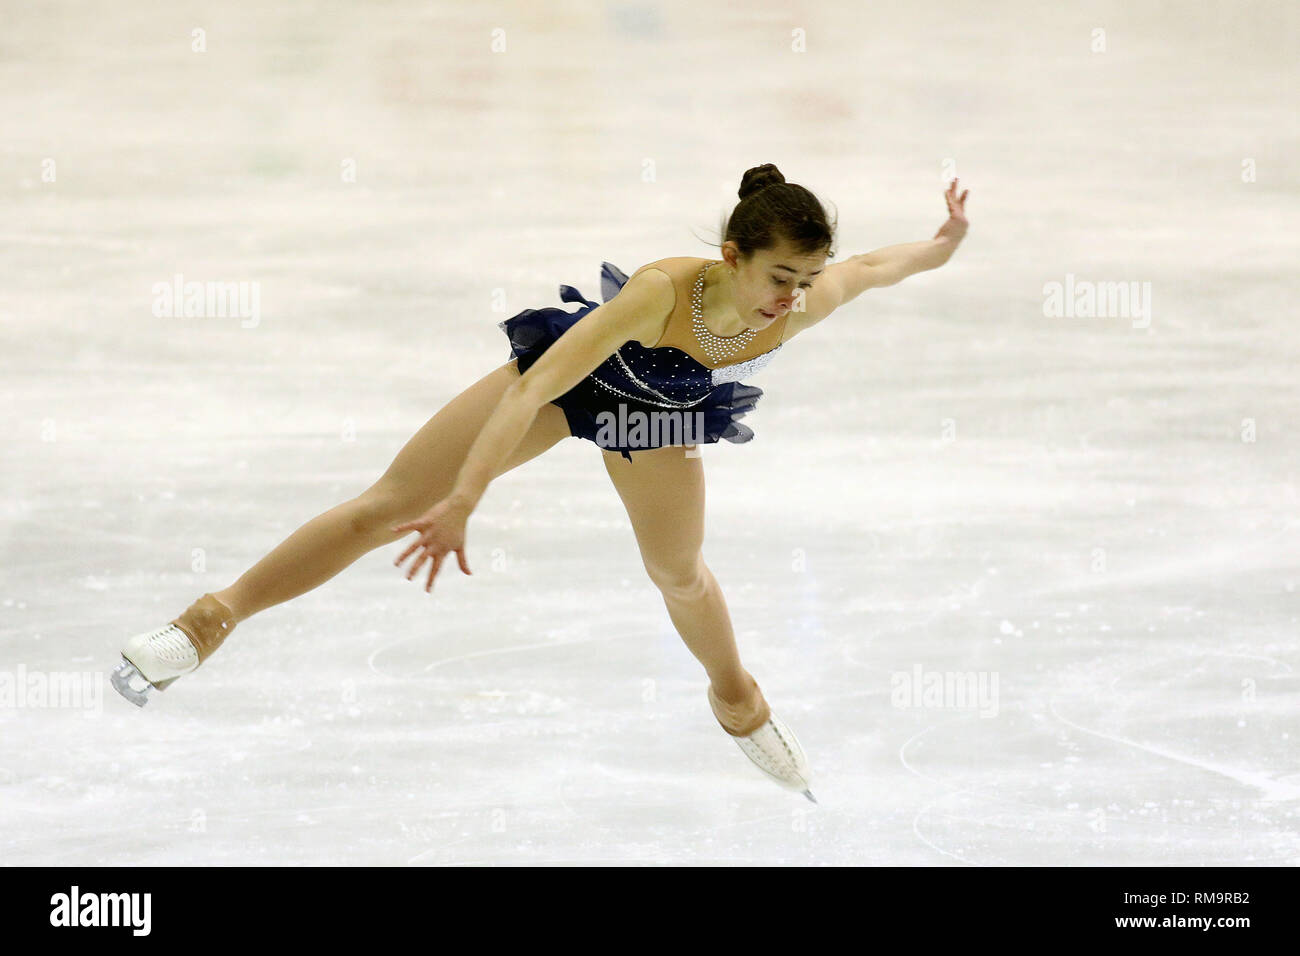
(207, 622)
(741, 720)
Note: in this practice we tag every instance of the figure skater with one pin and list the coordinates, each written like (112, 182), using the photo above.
(647, 377)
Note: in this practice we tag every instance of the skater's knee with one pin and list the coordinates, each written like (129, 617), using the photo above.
(377, 509)
(683, 580)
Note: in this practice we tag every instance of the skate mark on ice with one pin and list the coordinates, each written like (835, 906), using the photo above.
(1271, 789)
(1052, 815)
(952, 791)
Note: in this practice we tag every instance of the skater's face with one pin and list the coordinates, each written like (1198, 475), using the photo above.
(771, 282)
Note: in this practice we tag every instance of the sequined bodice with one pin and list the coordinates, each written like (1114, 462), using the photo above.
(665, 376)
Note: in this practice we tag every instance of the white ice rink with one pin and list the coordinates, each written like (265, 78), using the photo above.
(1098, 513)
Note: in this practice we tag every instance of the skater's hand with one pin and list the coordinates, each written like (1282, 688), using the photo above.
(442, 531)
(955, 227)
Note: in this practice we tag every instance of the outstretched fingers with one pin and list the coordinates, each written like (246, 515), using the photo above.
(956, 202)
(433, 571)
(431, 545)
(425, 554)
(420, 525)
(418, 543)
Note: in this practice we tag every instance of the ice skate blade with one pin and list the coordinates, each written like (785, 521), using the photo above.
(121, 679)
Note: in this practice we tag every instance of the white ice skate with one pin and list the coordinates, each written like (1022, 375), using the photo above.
(766, 740)
(157, 658)
(154, 659)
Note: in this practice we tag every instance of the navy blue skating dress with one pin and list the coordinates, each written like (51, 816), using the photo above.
(694, 403)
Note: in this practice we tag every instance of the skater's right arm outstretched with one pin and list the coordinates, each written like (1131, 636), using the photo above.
(638, 311)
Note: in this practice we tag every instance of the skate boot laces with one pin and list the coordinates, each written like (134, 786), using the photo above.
(171, 645)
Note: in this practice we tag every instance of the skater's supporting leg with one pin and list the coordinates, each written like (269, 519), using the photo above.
(421, 475)
(663, 491)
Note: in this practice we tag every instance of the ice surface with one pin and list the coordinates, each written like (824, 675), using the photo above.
(1100, 515)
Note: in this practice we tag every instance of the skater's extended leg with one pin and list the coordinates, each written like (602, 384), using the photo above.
(421, 475)
(663, 491)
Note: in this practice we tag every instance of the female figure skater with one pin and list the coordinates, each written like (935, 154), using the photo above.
(673, 341)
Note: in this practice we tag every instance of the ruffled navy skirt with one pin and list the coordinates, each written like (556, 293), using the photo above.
(532, 332)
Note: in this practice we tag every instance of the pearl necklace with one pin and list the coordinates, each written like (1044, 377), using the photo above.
(716, 347)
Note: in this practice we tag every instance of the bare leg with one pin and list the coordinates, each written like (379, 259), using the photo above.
(420, 476)
(663, 491)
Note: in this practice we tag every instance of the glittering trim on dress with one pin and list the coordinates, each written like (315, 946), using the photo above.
(734, 373)
(665, 401)
(641, 398)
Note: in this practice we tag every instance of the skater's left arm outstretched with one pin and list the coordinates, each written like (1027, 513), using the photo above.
(845, 281)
